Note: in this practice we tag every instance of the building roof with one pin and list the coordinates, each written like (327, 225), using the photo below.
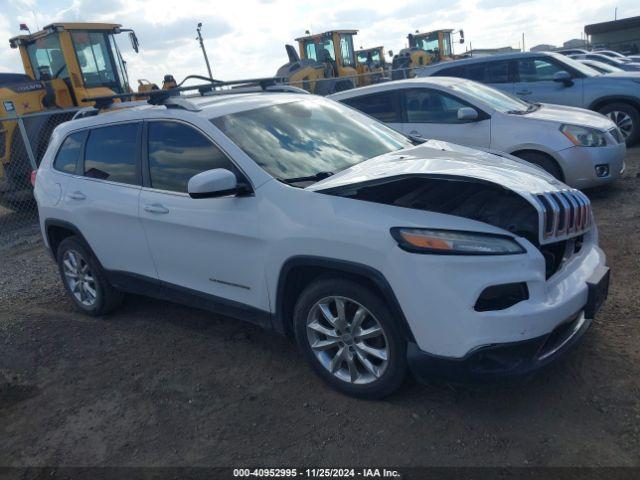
(612, 26)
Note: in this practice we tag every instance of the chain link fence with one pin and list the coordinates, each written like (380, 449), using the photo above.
(23, 142)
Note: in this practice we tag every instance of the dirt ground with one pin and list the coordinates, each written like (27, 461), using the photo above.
(161, 384)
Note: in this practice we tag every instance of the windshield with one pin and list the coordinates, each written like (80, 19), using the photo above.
(576, 65)
(308, 137)
(496, 99)
(94, 56)
(603, 67)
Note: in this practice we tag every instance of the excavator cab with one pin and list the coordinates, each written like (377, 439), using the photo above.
(64, 63)
(325, 64)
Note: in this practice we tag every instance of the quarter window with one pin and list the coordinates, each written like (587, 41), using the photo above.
(381, 106)
(431, 106)
(69, 153)
(177, 152)
(110, 153)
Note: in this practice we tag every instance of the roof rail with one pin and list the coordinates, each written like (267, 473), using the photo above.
(170, 97)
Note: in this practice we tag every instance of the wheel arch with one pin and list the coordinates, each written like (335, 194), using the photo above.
(542, 151)
(601, 102)
(298, 272)
(57, 230)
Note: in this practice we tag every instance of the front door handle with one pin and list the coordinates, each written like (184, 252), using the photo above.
(524, 92)
(77, 195)
(156, 208)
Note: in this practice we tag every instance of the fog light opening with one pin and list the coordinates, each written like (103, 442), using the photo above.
(602, 170)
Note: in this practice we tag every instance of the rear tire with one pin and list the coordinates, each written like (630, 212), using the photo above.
(363, 352)
(84, 280)
(543, 161)
(627, 119)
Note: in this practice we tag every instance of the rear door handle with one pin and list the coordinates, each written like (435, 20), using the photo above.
(77, 195)
(524, 92)
(156, 208)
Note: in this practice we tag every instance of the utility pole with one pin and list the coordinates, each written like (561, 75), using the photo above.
(523, 47)
(615, 14)
(204, 51)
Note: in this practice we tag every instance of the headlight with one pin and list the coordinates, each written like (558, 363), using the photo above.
(452, 242)
(583, 136)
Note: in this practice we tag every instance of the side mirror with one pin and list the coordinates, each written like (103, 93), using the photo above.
(390, 53)
(563, 77)
(467, 114)
(218, 182)
(134, 41)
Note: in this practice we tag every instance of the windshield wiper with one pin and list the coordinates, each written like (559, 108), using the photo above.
(316, 177)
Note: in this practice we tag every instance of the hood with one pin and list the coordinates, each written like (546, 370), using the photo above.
(437, 158)
(571, 115)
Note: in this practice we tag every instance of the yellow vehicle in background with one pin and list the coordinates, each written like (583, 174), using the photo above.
(63, 64)
(424, 49)
(324, 63)
(370, 65)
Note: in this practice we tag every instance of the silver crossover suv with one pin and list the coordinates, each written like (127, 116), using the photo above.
(553, 78)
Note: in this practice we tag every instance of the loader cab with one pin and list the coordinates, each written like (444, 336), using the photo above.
(334, 49)
(370, 55)
(85, 56)
(436, 43)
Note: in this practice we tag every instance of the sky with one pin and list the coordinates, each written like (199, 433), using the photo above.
(246, 38)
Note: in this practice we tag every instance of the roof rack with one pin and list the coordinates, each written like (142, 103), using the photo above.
(171, 97)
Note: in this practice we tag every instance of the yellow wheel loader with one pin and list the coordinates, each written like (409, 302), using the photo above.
(424, 49)
(370, 65)
(63, 64)
(324, 63)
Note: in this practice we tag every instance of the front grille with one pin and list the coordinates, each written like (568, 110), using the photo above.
(563, 214)
(617, 135)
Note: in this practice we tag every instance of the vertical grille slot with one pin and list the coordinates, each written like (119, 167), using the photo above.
(565, 213)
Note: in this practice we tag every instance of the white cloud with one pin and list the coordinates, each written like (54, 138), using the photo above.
(246, 38)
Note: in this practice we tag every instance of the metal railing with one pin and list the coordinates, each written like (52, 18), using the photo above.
(23, 142)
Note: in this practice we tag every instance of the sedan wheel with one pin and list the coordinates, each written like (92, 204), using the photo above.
(623, 120)
(347, 340)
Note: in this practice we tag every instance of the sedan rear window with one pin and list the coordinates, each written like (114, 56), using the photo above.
(307, 137)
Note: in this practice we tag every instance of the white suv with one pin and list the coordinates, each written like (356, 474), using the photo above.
(309, 218)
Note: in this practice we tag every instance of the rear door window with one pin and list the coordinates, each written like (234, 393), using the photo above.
(383, 106)
(424, 105)
(67, 158)
(177, 152)
(111, 153)
(536, 69)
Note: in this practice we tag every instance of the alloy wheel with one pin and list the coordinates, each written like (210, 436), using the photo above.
(347, 340)
(79, 278)
(623, 121)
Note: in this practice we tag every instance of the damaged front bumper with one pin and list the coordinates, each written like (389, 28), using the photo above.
(514, 358)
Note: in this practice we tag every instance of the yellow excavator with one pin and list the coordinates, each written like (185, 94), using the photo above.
(63, 64)
(424, 49)
(324, 63)
(370, 65)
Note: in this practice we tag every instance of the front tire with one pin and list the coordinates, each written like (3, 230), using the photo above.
(84, 280)
(627, 119)
(350, 338)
